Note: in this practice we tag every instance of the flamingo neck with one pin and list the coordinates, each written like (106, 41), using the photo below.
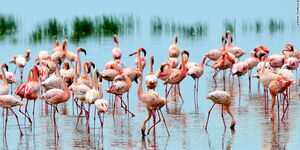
(202, 61)
(151, 66)
(140, 85)
(29, 76)
(85, 68)
(58, 71)
(4, 76)
(78, 64)
(66, 89)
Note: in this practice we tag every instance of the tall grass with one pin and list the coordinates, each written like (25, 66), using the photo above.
(52, 29)
(189, 30)
(275, 25)
(8, 25)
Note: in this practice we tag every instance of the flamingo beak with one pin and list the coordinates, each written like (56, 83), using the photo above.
(82, 50)
(135, 80)
(185, 52)
(6, 67)
(93, 64)
(144, 51)
(133, 53)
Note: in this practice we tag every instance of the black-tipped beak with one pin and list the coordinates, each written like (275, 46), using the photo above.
(232, 126)
(6, 67)
(292, 48)
(152, 60)
(143, 132)
(83, 50)
(226, 35)
(185, 52)
(100, 78)
(132, 54)
(231, 39)
(93, 65)
(162, 68)
(144, 51)
(48, 66)
(97, 73)
(136, 79)
(115, 38)
(89, 70)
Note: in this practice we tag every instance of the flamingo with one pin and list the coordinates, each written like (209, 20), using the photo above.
(154, 102)
(266, 76)
(251, 62)
(195, 71)
(32, 88)
(20, 91)
(118, 88)
(278, 85)
(117, 64)
(116, 51)
(224, 62)
(177, 76)
(289, 51)
(53, 82)
(79, 90)
(7, 102)
(11, 79)
(56, 96)
(101, 105)
(173, 49)
(86, 78)
(239, 69)
(59, 52)
(151, 79)
(225, 99)
(139, 58)
(42, 56)
(215, 54)
(236, 51)
(277, 60)
(20, 61)
(4, 90)
(92, 95)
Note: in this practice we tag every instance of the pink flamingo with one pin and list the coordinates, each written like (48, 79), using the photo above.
(116, 51)
(154, 102)
(53, 82)
(20, 61)
(177, 76)
(101, 105)
(139, 58)
(32, 88)
(151, 79)
(278, 85)
(86, 78)
(7, 102)
(11, 79)
(289, 51)
(4, 90)
(239, 69)
(216, 53)
(277, 60)
(251, 62)
(118, 88)
(54, 97)
(236, 51)
(196, 71)
(225, 99)
(173, 49)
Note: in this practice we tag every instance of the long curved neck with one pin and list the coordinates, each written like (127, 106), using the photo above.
(78, 64)
(229, 40)
(183, 68)
(4, 76)
(140, 85)
(202, 61)
(224, 45)
(96, 85)
(151, 64)
(128, 81)
(85, 68)
(76, 71)
(29, 75)
(58, 70)
(143, 127)
(65, 87)
(34, 74)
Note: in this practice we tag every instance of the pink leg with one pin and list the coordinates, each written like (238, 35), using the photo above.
(222, 114)
(101, 122)
(6, 122)
(21, 133)
(25, 115)
(169, 91)
(128, 101)
(180, 93)
(209, 115)
(132, 115)
(154, 123)
(79, 115)
(214, 77)
(164, 122)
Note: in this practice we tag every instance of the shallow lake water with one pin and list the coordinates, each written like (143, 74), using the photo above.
(269, 23)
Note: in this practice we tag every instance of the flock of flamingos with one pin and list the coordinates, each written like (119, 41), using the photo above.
(57, 77)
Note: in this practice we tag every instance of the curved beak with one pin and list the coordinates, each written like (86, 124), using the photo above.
(92, 64)
(136, 79)
(116, 38)
(152, 59)
(144, 51)
(135, 52)
(82, 50)
(6, 67)
(185, 52)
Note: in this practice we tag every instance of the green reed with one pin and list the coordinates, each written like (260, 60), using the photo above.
(8, 25)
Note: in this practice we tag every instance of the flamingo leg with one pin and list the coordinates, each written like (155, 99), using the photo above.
(233, 122)
(180, 93)
(169, 90)
(209, 115)
(132, 115)
(162, 115)
(20, 110)
(128, 101)
(33, 112)
(5, 127)
(154, 123)
(21, 133)
(287, 105)
(214, 77)
(101, 122)
(222, 115)
(79, 116)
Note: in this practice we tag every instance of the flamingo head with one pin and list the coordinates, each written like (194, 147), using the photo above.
(289, 46)
(81, 50)
(116, 38)
(27, 52)
(66, 65)
(5, 66)
(64, 43)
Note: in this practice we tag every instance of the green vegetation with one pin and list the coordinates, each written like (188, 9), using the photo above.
(8, 25)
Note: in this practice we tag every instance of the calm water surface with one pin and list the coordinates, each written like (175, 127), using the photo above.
(254, 130)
